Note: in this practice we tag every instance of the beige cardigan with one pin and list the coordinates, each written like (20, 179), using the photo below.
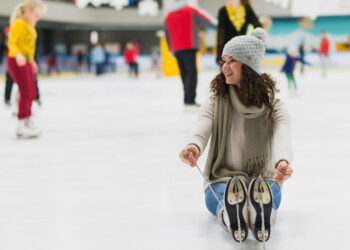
(281, 141)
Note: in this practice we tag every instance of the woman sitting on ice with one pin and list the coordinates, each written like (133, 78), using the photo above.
(250, 149)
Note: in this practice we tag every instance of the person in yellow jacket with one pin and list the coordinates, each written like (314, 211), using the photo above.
(21, 63)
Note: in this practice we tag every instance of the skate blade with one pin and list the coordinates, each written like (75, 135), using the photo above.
(260, 236)
(235, 192)
(261, 188)
(236, 235)
(20, 136)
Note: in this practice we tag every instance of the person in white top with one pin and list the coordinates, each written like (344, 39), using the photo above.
(250, 141)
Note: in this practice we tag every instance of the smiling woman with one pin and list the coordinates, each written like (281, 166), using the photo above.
(250, 147)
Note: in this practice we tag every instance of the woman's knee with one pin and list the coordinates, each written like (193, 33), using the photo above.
(210, 200)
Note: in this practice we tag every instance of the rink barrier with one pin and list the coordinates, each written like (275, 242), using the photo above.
(68, 64)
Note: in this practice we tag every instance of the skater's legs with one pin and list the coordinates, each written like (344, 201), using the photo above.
(37, 88)
(293, 82)
(289, 79)
(210, 200)
(191, 77)
(8, 87)
(130, 67)
(186, 60)
(133, 69)
(99, 69)
(183, 72)
(136, 69)
(276, 193)
(24, 77)
(324, 65)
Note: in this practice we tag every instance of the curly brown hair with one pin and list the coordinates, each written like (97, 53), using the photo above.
(255, 90)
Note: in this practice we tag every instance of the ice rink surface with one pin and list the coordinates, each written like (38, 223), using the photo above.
(106, 175)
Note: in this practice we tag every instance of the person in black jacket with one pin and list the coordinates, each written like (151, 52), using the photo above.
(3, 52)
(234, 19)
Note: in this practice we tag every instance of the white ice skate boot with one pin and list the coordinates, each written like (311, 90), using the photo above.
(236, 206)
(260, 209)
(223, 220)
(27, 129)
(31, 124)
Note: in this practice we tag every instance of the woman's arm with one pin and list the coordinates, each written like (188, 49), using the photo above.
(199, 140)
(203, 128)
(282, 143)
(251, 17)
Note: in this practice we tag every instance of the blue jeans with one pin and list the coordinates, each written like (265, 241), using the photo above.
(219, 188)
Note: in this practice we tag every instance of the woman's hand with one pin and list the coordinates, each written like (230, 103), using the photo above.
(190, 154)
(283, 172)
(20, 60)
(35, 67)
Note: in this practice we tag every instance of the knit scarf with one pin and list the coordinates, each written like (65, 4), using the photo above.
(257, 149)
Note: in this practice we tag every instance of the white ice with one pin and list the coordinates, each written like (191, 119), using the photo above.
(106, 175)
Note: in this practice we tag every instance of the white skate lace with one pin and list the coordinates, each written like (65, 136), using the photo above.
(211, 189)
(262, 209)
(238, 219)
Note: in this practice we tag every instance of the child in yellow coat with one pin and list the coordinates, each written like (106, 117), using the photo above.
(20, 62)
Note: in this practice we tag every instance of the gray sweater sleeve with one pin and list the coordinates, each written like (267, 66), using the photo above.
(282, 142)
(204, 125)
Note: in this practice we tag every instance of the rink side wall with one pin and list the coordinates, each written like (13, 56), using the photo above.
(206, 62)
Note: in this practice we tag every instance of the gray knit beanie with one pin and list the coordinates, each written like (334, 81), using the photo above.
(248, 49)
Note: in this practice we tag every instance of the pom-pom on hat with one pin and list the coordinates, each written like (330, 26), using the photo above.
(249, 49)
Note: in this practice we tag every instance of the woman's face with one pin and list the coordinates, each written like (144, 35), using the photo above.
(31, 16)
(232, 69)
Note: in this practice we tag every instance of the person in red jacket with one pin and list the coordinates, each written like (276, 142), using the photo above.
(130, 55)
(182, 27)
(324, 51)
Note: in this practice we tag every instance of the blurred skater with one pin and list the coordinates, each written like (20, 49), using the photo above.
(302, 56)
(289, 66)
(98, 57)
(21, 63)
(130, 56)
(155, 62)
(52, 63)
(80, 61)
(234, 19)
(323, 52)
(182, 29)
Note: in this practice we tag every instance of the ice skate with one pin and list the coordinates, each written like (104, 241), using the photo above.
(27, 129)
(14, 109)
(260, 208)
(237, 209)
